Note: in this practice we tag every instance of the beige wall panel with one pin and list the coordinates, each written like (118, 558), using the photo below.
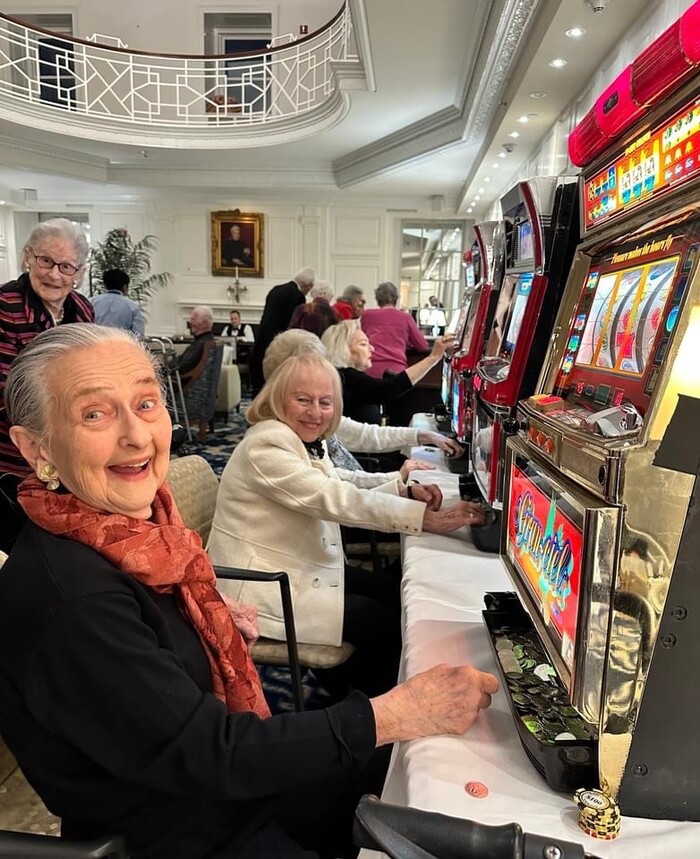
(280, 248)
(357, 233)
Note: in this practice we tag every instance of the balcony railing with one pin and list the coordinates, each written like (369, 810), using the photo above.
(51, 80)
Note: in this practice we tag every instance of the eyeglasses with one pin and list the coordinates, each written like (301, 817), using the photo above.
(47, 264)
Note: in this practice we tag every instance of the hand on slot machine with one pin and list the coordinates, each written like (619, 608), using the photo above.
(414, 465)
(441, 346)
(451, 518)
(442, 700)
(427, 492)
(449, 446)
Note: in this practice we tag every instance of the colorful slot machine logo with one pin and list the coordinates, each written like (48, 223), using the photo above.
(672, 318)
(567, 364)
(580, 322)
(574, 342)
(580, 386)
(618, 396)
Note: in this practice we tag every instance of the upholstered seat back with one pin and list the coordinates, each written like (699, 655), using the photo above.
(194, 486)
(201, 392)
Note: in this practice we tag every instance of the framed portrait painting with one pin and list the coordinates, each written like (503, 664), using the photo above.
(237, 244)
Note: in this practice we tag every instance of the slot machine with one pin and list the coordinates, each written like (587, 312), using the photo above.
(541, 229)
(471, 262)
(477, 318)
(600, 640)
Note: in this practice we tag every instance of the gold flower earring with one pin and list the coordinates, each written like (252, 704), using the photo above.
(49, 476)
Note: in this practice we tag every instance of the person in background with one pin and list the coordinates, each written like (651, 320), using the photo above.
(348, 348)
(279, 306)
(238, 329)
(391, 332)
(317, 314)
(351, 303)
(358, 437)
(114, 308)
(128, 695)
(201, 322)
(43, 296)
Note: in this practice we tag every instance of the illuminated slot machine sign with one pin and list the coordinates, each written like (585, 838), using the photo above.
(650, 167)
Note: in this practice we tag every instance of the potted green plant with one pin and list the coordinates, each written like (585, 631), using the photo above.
(118, 250)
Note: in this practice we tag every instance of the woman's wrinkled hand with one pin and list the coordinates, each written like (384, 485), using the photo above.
(245, 617)
(441, 700)
(414, 465)
(428, 493)
(451, 518)
(448, 445)
(442, 345)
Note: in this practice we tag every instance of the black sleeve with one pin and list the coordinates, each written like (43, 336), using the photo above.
(359, 387)
(190, 357)
(100, 679)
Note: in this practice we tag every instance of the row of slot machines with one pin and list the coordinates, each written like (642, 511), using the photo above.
(576, 385)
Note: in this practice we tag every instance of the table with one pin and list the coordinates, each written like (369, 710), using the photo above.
(444, 582)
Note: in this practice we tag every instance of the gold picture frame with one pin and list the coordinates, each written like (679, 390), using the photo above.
(237, 244)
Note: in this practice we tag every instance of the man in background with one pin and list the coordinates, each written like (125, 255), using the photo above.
(279, 306)
(238, 329)
(351, 304)
(114, 308)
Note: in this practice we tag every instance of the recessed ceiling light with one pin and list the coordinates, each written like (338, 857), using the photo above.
(488, 178)
(495, 166)
(576, 32)
(481, 190)
(523, 119)
(558, 63)
(538, 94)
(470, 210)
(502, 154)
(514, 134)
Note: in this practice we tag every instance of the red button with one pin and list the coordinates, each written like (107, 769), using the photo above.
(549, 446)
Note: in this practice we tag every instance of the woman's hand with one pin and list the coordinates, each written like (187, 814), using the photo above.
(442, 700)
(440, 346)
(451, 518)
(414, 465)
(429, 493)
(448, 445)
(245, 617)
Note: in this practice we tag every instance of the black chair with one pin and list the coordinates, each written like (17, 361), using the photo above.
(25, 845)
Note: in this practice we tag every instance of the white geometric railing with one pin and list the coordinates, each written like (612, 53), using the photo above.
(49, 78)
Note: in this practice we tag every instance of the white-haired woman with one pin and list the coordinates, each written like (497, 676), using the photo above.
(280, 505)
(348, 348)
(316, 315)
(391, 332)
(43, 296)
(128, 696)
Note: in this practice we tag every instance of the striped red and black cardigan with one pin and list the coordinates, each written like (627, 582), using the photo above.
(22, 317)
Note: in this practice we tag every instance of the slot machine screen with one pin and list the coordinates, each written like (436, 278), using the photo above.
(526, 245)
(624, 317)
(544, 542)
(500, 319)
(517, 313)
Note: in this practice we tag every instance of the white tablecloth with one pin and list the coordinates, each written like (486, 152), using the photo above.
(444, 582)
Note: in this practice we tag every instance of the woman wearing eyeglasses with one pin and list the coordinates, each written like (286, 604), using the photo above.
(43, 296)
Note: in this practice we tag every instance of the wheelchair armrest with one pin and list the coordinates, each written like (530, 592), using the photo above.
(282, 579)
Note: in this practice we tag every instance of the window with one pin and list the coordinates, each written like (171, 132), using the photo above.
(431, 271)
(55, 57)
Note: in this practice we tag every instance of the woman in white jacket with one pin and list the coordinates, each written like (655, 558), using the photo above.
(280, 505)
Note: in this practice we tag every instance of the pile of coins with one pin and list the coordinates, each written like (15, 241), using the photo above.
(598, 814)
(541, 701)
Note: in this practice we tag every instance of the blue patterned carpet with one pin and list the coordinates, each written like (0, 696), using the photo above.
(276, 681)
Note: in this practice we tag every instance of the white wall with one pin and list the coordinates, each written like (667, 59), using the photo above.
(551, 157)
(353, 243)
(147, 26)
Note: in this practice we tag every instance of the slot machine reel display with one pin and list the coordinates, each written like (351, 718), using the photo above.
(541, 228)
(490, 238)
(598, 533)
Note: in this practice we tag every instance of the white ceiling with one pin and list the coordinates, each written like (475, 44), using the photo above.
(421, 134)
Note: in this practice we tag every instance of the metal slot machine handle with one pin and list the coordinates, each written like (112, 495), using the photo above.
(407, 833)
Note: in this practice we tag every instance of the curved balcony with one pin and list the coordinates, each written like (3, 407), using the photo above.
(74, 86)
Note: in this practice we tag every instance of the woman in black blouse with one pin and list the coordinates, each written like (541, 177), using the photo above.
(348, 348)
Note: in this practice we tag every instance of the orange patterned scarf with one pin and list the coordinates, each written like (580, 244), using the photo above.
(162, 554)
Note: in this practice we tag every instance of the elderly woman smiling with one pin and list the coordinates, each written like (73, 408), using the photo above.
(280, 505)
(126, 692)
(43, 296)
